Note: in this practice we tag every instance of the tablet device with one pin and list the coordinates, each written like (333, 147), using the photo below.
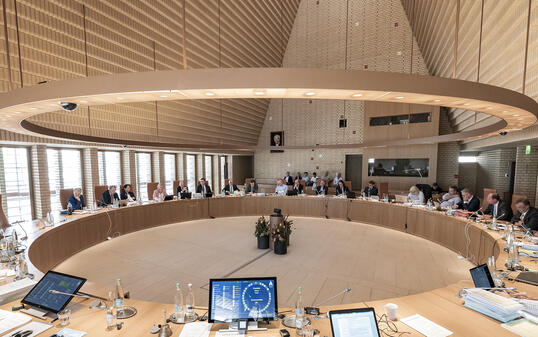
(168, 198)
(482, 277)
(41, 297)
(354, 322)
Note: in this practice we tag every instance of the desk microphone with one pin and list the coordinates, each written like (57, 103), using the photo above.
(94, 304)
(315, 309)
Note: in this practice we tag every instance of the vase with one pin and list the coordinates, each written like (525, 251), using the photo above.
(263, 242)
(281, 247)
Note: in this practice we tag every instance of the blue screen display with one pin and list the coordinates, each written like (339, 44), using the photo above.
(242, 299)
(42, 297)
(480, 277)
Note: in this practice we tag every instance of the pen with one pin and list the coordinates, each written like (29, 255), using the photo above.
(54, 320)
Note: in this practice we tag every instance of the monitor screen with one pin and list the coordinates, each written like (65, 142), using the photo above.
(482, 277)
(41, 297)
(354, 323)
(242, 298)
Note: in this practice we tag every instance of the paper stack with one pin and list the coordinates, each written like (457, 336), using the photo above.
(501, 308)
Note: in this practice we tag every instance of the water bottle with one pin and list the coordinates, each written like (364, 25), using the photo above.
(299, 312)
(494, 223)
(189, 303)
(110, 313)
(22, 269)
(116, 203)
(179, 314)
(69, 208)
(119, 296)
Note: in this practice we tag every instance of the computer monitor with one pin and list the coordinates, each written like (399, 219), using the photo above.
(482, 277)
(41, 297)
(354, 322)
(233, 299)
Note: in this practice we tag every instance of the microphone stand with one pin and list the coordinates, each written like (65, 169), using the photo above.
(95, 304)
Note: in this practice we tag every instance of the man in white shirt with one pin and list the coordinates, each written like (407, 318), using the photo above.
(337, 178)
(306, 179)
(314, 181)
(451, 198)
(281, 188)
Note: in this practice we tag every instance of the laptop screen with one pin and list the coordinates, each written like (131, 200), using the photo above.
(354, 323)
(481, 277)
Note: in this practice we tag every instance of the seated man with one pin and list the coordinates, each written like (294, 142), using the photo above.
(370, 190)
(181, 188)
(127, 194)
(470, 202)
(526, 216)
(321, 189)
(297, 187)
(436, 189)
(203, 187)
(76, 200)
(415, 196)
(281, 188)
(252, 187)
(451, 198)
(314, 181)
(306, 179)
(159, 192)
(298, 176)
(288, 179)
(108, 196)
(230, 188)
(497, 208)
(341, 188)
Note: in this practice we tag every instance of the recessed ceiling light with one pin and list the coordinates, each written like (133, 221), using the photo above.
(164, 96)
(83, 102)
(120, 98)
(357, 95)
(505, 111)
(259, 92)
(399, 97)
(437, 100)
(310, 93)
(515, 115)
(520, 119)
(489, 108)
(209, 94)
(466, 103)
(32, 108)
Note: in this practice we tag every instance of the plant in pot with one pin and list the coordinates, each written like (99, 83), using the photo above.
(262, 232)
(287, 229)
(280, 238)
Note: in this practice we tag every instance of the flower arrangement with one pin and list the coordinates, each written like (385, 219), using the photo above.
(283, 231)
(262, 227)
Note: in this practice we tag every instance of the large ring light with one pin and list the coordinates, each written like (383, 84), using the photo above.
(515, 110)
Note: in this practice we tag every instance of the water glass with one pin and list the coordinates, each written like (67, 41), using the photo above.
(64, 316)
(308, 331)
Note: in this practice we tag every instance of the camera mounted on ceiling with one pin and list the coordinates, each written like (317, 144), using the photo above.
(68, 106)
(503, 133)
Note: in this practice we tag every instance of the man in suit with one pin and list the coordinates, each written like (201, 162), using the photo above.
(497, 208)
(526, 216)
(341, 188)
(288, 179)
(127, 193)
(321, 189)
(370, 190)
(203, 187)
(297, 187)
(470, 202)
(76, 200)
(181, 188)
(108, 196)
(252, 187)
(230, 188)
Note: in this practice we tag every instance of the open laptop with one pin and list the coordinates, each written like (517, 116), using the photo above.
(482, 277)
(354, 322)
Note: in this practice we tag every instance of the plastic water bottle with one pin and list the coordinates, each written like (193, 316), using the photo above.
(119, 295)
(299, 312)
(179, 314)
(189, 303)
(110, 313)
(494, 223)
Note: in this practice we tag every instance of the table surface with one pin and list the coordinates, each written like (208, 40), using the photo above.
(78, 232)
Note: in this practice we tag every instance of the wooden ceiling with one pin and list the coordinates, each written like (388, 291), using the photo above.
(490, 48)
(64, 39)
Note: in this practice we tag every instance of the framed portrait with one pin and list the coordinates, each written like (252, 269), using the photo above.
(277, 139)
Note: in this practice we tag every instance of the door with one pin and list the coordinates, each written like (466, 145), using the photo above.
(354, 170)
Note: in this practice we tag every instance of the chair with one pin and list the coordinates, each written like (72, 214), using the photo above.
(348, 184)
(65, 194)
(98, 192)
(487, 191)
(151, 188)
(515, 198)
(303, 183)
(3, 219)
(382, 188)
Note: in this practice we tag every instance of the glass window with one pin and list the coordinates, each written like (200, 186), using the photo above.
(209, 170)
(467, 159)
(169, 172)
(65, 171)
(223, 172)
(408, 167)
(191, 172)
(109, 168)
(17, 196)
(423, 117)
(143, 174)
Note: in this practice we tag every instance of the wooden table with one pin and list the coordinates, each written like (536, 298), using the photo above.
(50, 246)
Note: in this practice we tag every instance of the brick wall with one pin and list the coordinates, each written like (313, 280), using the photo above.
(526, 172)
(492, 169)
(468, 175)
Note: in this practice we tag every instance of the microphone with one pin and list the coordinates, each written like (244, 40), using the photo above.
(95, 304)
(347, 290)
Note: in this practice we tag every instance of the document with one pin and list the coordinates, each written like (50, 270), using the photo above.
(425, 326)
(196, 329)
(10, 320)
(35, 327)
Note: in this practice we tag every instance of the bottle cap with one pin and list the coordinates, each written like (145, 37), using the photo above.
(300, 288)
(190, 284)
(177, 284)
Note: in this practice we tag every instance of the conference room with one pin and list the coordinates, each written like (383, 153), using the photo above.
(268, 168)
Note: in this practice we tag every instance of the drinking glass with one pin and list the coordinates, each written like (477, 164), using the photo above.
(64, 316)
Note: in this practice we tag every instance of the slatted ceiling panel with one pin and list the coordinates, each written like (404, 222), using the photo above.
(202, 33)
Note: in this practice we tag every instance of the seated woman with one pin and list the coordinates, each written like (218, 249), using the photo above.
(297, 187)
(415, 196)
(127, 194)
(159, 192)
(77, 199)
(341, 188)
(181, 188)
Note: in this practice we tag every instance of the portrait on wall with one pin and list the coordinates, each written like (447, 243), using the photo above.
(277, 139)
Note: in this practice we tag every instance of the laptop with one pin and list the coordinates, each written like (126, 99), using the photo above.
(354, 322)
(482, 277)
(529, 277)
(185, 195)
(168, 198)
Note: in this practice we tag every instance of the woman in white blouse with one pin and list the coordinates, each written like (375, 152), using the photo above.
(415, 195)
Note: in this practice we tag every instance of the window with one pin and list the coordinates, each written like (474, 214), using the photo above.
(109, 168)
(467, 159)
(143, 174)
(405, 167)
(18, 202)
(191, 172)
(223, 172)
(424, 117)
(65, 171)
(169, 172)
(209, 170)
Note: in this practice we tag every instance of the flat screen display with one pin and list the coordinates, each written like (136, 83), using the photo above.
(242, 298)
(354, 323)
(41, 297)
(482, 277)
